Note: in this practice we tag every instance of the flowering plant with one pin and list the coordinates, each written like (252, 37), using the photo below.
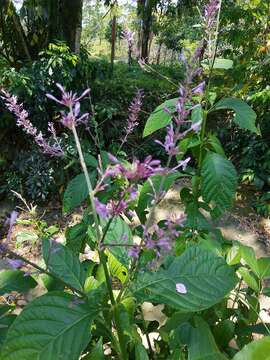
(125, 285)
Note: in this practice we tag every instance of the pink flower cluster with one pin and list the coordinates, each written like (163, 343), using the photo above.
(23, 121)
(134, 110)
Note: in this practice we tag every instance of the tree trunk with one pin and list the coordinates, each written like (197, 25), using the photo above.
(159, 53)
(71, 15)
(146, 29)
(150, 44)
(113, 42)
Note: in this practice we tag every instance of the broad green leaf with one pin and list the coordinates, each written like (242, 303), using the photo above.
(116, 268)
(245, 116)
(234, 255)
(150, 187)
(118, 233)
(224, 332)
(206, 277)
(256, 350)
(219, 182)
(62, 262)
(197, 114)
(249, 256)
(5, 323)
(201, 344)
(55, 326)
(90, 160)
(15, 280)
(159, 118)
(140, 352)
(76, 192)
(248, 278)
(26, 236)
(219, 63)
(215, 145)
(266, 291)
(76, 237)
(4, 308)
(97, 353)
(264, 267)
(51, 283)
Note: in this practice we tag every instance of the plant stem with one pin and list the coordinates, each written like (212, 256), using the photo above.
(88, 181)
(100, 237)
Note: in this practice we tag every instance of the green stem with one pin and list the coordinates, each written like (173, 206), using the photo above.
(100, 237)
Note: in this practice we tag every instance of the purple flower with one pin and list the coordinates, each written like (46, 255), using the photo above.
(198, 90)
(24, 122)
(11, 222)
(134, 251)
(101, 209)
(15, 264)
(210, 12)
(117, 207)
(129, 37)
(182, 164)
(134, 110)
(170, 143)
(181, 288)
(142, 170)
(69, 99)
(71, 118)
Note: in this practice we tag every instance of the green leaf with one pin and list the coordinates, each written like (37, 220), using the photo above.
(76, 237)
(26, 236)
(249, 256)
(97, 353)
(219, 182)
(197, 114)
(90, 160)
(248, 278)
(201, 343)
(5, 323)
(224, 332)
(15, 280)
(140, 352)
(219, 63)
(62, 262)
(245, 116)
(264, 267)
(116, 268)
(159, 118)
(234, 255)
(207, 279)
(55, 326)
(256, 350)
(150, 187)
(215, 145)
(76, 192)
(118, 233)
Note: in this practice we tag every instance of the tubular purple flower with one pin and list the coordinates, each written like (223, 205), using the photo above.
(15, 264)
(71, 118)
(69, 99)
(199, 89)
(169, 143)
(101, 209)
(134, 251)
